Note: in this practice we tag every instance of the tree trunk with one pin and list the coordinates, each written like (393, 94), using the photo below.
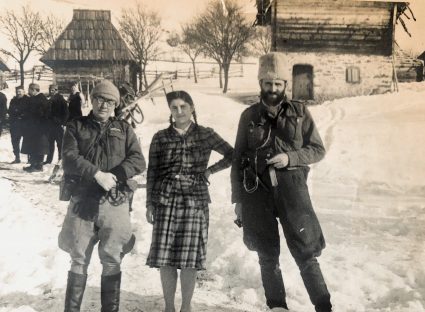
(140, 77)
(226, 68)
(194, 71)
(21, 69)
(220, 74)
(145, 78)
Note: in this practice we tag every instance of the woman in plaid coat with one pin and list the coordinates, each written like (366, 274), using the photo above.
(177, 197)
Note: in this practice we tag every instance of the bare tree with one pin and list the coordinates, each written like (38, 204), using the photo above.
(141, 29)
(223, 32)
(51, 28)
(23, 30)
(261, 42)
(190, 46)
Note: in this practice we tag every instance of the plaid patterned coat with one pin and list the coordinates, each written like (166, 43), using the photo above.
(178, 192)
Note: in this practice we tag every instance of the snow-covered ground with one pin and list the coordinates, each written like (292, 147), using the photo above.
(368, 193)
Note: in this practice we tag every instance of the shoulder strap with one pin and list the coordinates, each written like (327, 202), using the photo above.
(99, 136)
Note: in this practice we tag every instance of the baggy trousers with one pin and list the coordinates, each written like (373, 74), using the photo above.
(111, 228)
(290, 203)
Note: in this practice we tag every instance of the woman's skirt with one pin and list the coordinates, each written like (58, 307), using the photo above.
(180, 234)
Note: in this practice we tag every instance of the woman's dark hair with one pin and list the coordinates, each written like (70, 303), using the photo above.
(179, 95)
(183, 95)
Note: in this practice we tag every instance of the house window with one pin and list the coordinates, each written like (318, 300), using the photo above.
(352, 74)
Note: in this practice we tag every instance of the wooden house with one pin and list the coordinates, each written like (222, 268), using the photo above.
(90, 49)
(3, 69)
(334, 48)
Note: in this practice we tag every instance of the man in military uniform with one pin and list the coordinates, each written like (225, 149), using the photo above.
(101, 153)
(17, 110)
(36, 136)
(58, 117)
(3, 111)
(276, 141)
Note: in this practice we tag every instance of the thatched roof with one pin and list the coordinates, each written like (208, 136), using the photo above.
(3, 66)
(90, 36)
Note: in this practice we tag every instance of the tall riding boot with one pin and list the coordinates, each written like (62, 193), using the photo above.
(75, 291)
(110, 292)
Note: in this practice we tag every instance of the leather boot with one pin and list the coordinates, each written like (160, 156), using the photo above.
(17, 160)
(75, 291)
(110, 293)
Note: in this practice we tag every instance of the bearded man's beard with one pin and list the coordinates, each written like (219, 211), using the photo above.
(272, 98)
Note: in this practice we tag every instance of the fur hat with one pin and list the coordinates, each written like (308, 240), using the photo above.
(179, 95)
(272, 66)
(107, 90)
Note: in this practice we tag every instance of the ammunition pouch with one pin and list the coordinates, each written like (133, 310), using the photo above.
(67, 186)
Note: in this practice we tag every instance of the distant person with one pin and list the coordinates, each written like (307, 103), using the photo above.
(3, 111)
(58, 117)
(75, 102)
(36, 135)
(17, 110)
(276, 142)
(177, 197)
(102, 153)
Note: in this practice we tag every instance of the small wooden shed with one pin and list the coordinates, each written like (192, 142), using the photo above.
(90, 49)
(3, 69)
(334, 48)
(408, 68)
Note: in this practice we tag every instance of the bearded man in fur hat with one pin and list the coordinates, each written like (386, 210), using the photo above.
(276, 141)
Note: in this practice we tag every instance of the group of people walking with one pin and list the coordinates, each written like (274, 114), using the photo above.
(276, 141)
(38, 121)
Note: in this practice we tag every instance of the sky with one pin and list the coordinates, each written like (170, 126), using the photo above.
(176, 12)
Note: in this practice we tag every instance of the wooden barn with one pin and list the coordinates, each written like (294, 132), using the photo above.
(3, 69)
(334, 48)
(90, 49)
(408, 68)
(421, 57)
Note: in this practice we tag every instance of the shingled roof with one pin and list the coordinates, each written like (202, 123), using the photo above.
(3, 66)
(90, 36)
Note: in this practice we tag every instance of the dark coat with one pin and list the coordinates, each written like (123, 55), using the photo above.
(261, 137)
(293, 132)
(59, 110)
(3, 106)
(36, 136)
(118, 151)
(74, 106)
(17, 109)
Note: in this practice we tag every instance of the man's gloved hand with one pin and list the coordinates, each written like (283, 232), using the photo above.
(149, 215)
(238, 212)
(279, 161)
(106, 180)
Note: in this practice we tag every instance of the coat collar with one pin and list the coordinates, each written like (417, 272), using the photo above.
(173, 132)
(290, 109)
